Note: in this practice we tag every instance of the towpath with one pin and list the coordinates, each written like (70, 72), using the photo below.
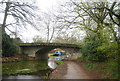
(72, 70)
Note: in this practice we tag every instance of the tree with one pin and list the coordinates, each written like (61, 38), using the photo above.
(89, 16)
(85, 14)
(93, 17)
(0, 40)
(114, 12)
(114, 15)
(21, 12)
(65, 37)
(8, 46)
(38, 39)
(48, 24)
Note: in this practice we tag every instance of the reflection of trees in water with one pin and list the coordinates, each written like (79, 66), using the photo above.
(22, 67)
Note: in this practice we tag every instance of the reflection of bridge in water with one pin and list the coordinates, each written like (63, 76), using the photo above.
(40, 50)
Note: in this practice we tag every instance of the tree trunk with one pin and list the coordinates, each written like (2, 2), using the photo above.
(52, 34)
(48, 33)
(5, 16)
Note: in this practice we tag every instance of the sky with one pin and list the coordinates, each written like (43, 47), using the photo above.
(45, 5)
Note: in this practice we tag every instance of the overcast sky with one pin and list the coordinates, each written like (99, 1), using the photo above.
(44, 6)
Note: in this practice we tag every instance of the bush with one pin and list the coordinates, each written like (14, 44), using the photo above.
(112, 68)
(90, 66)
(102, 50)
(111, 51)
(8, 46)
(90, 51)
(59, 62)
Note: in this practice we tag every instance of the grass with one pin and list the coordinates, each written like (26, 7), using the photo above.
(90, 66)
(59, 62)
(107, 70)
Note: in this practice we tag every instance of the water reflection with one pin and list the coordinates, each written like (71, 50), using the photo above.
(51, 63)
(24, 70)
(23, 67)
(22, 77)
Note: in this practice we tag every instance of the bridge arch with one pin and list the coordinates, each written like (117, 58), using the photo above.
(42, 54)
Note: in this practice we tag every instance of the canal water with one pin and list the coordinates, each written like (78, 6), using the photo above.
(27, 69)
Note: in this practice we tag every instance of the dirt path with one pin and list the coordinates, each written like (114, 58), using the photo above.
(74, 71)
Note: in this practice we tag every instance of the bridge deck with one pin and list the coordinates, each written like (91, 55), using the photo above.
(49, 44)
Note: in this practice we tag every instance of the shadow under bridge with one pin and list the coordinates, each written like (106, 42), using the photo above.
(42, 54)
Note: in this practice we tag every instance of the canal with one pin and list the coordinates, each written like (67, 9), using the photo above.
(27, 69)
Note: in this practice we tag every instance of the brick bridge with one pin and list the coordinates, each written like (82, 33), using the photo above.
(40, 50)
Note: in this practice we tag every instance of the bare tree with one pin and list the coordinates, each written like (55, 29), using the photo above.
(48, 24)
(38, 39)
(21, 12)
(67, 37)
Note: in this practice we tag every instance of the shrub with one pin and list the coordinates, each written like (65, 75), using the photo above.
(90, 66)
(8, 46)
(90, 52)
(59, 61)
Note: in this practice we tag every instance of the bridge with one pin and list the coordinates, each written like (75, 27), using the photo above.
(40, 50)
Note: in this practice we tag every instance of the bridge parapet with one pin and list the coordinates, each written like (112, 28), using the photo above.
(49, 44)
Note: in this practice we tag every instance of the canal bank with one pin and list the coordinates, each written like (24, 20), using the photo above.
(59, 72)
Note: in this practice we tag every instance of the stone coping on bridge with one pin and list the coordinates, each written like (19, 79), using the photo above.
(49, 44)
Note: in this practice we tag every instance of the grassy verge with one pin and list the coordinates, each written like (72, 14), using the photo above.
(59, 62)
(105, 70)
